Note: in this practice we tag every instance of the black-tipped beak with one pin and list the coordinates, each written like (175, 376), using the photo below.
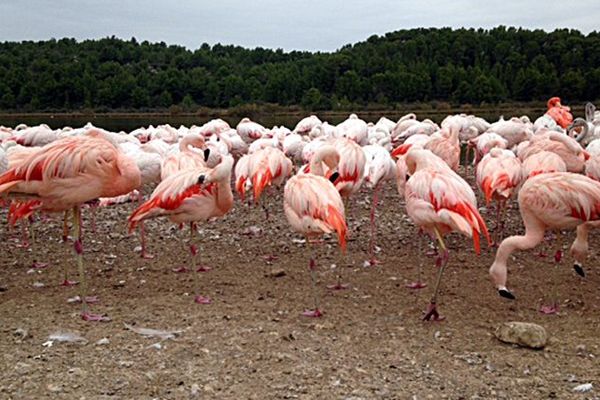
(334, 177)
(506, 294)
(206, 154)
(201, 179)
(579, 269)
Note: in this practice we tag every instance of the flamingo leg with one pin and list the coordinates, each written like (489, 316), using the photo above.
(143, 253)
(312, 266)
(31, 229)
(65, 239)
(553, 307)
(78, 246)
(198, 298)
(24, 236)
(432, 314)
(372, 260)
(418, 284)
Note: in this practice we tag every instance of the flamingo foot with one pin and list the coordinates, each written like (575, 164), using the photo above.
(316, 313)
(416, 285)
(39, 265)
(541, 254)
(94, 317)
(180, 270)
(549, 309)
(68, 283)
(579, 269)
(147, 256)
(202, 300)
(203, 268)
(507, 294)
(270, 257)
(22, 245)
(432, 314)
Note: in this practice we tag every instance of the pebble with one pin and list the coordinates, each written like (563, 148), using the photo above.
(524, 334)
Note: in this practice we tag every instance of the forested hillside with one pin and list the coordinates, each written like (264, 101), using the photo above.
(418, 65)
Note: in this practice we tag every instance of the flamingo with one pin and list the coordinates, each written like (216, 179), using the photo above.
(445, 145)
(185, 158)
(67, 173)
(189, 196)
(566, 147)
(543, 162)
(439, 201)
(559, 113)
(499, 174)
(313, 206)
(266, 167)
(379, 167)
(557, 200)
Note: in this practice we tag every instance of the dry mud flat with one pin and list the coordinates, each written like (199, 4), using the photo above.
(253, 343)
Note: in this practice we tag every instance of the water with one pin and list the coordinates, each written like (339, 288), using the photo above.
(129, 122)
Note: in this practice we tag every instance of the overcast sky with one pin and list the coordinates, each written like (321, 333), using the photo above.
(313, 25)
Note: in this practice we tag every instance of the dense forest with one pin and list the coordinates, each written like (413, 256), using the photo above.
(417, 65)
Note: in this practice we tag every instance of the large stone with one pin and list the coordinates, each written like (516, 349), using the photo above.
(524, 334)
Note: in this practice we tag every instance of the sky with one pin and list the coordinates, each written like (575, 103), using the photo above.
(324, 25)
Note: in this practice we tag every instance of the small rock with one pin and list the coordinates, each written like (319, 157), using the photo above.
(21, 333)
(38, 285)
(586, 387)
(54, 388)
(277, 273)
(524, 334)
(102, 341)
(195, 390)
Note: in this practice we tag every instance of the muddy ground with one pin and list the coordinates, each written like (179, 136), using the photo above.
(253, 343)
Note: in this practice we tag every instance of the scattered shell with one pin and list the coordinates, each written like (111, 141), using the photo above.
(164, 335)
(586, 387)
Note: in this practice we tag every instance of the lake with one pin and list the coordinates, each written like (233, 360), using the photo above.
(129, 122)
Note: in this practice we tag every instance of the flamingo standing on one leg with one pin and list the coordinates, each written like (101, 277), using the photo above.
(559, 200)
(439, 201)
(190, 195)
(379, 167)
(313, 207)
(350, 178)
(68, 173)
(498, 177)
(266, 167)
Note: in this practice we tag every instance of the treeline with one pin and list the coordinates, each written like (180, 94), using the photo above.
(417, 65)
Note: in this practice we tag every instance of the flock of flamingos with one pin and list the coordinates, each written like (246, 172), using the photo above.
(551, 165)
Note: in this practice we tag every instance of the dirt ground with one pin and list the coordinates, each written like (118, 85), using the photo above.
(253, 343)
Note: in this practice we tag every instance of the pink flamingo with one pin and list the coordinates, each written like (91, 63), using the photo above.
(558, 200)
(439, 201)
(498, 177)
(541, 163)
(561, 114)
(185, 158)
(189, 196)
(266, 167)
(379, 167)
(313, 207)
(566, 147)
(446, 145)
(67, 173)
(351, 172)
